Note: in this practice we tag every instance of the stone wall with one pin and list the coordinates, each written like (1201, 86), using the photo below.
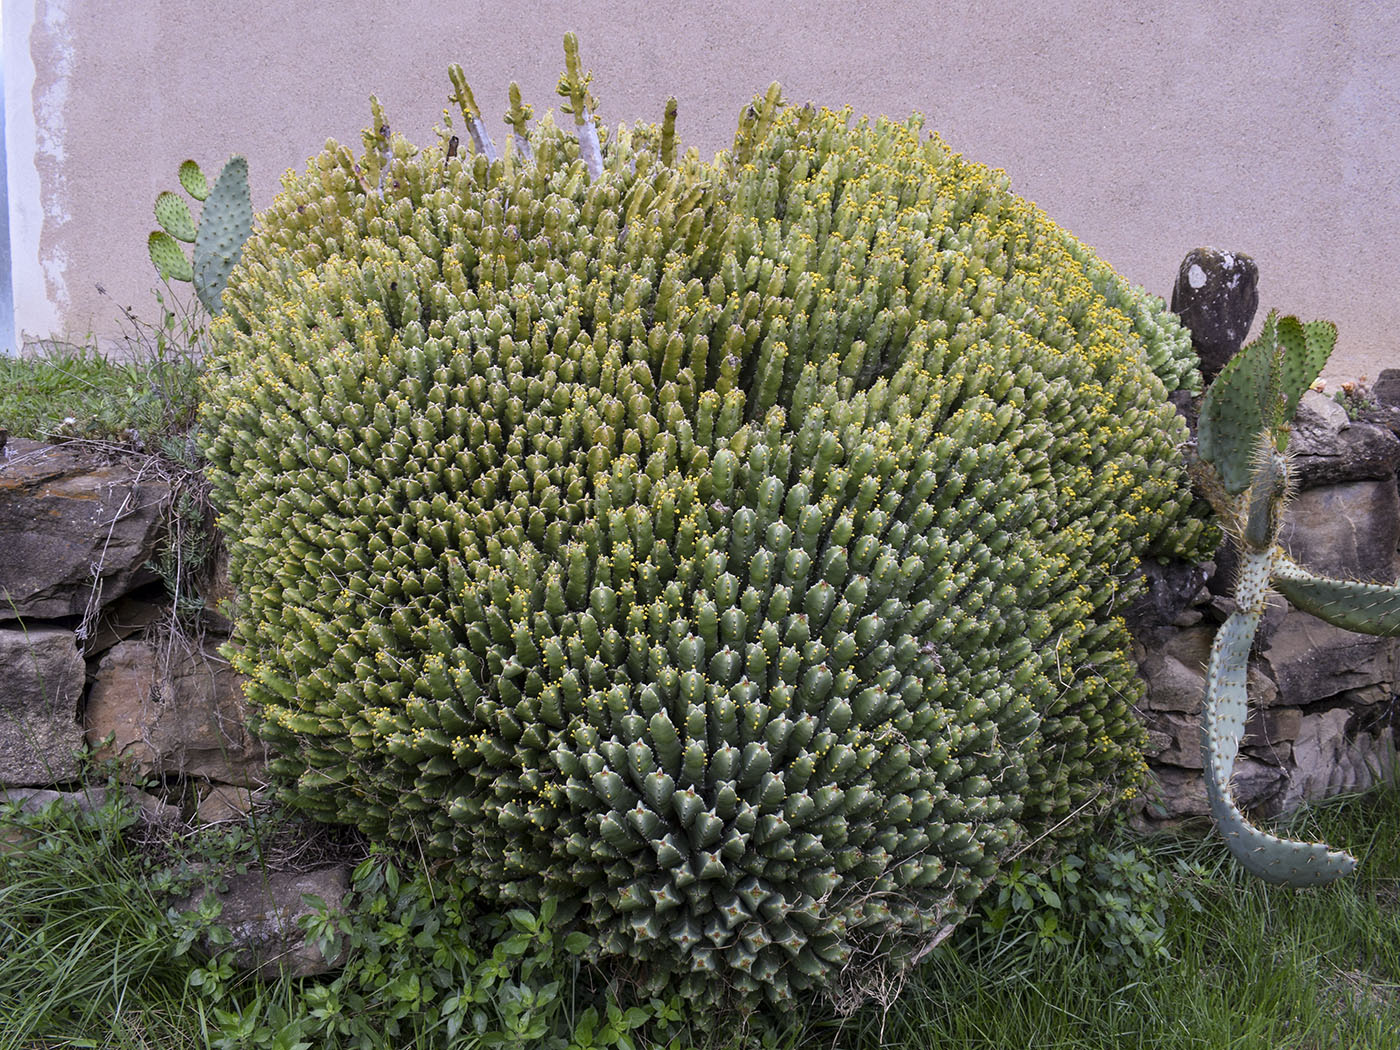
(85, 661)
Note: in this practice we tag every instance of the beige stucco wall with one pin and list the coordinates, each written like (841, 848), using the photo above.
(1265, 126)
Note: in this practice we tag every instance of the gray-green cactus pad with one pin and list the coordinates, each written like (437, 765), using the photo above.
(224, 226)
(170, 261)
(1273, 859)
(1369, 608)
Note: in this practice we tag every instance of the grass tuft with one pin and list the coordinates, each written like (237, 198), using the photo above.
(140, 396)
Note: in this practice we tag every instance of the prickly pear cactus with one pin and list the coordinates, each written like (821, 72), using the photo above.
(224, 225)
(731, 550)
(1243, 439)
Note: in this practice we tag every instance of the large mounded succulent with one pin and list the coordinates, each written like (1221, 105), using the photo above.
(731, 550)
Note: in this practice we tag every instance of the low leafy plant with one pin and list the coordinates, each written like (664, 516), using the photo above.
(141, 393)
(1355, 399)
(424, 969)
(1107, 900)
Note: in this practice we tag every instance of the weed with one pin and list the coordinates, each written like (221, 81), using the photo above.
(1356, 399)
(82, 938)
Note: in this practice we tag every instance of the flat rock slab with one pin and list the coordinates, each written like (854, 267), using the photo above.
(16, 836)
(89, 800)
(261, 912)
(75, 531)
(41, 686)
(1333, 757)
(1180, 794)
(1348, 531)
(184, 713)
(1329, 448)
(224, 802)
(1311, 660)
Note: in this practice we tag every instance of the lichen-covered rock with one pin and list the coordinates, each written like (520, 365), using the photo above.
(733, 551)
(41, 688)
(1216, 294)
(75, 532)
(262, 914)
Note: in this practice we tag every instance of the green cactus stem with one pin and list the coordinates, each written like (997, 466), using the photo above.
(374, 168)
(174, 216)
(1273, 859)
(668, 133)
(1242, 440)
(574, 86)
(471, 113)
(518, 117)
(1254, 397)
(1369, 608)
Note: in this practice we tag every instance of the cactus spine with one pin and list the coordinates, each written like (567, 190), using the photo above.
(218, 238)
(1242, 442)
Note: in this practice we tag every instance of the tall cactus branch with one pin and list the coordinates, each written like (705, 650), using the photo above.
(518, 117)
(1242, 441)
(573, 85)
(471, 113)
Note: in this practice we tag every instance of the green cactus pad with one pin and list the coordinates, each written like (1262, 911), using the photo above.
(170, 262)
(1369, 608)
(1276, 860)
(174, 216)
(192, 179)
(1238, 407)
(1306, 348)
(732, 551)
(1257, 392)
(224, 226)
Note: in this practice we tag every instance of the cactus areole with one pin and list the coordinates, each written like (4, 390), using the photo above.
(730, 550)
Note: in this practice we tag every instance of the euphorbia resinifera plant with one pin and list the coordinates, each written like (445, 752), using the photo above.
(731, 550)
